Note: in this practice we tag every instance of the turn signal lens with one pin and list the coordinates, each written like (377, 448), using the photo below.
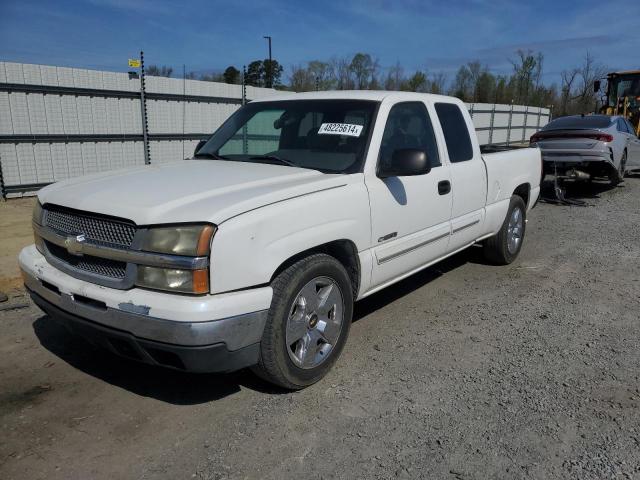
(201, 281)
(204, 240)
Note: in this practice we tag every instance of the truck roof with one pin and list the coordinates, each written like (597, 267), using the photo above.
(624, 72)
(375, 95)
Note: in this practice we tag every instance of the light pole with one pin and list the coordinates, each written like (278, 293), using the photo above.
(270, 72)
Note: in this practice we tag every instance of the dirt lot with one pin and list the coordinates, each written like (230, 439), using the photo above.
(465, 371)
(15, 233)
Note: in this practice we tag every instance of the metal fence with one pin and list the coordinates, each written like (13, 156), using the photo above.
(498, 124)
(58, 122)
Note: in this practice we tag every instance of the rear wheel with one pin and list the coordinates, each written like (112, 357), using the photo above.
(308, 322)
(504, 247)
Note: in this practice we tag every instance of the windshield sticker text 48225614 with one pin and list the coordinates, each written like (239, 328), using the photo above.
(348, 129)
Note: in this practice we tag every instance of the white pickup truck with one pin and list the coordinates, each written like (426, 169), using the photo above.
(254, 252)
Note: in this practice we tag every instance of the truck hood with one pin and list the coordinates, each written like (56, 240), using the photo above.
(187, 191)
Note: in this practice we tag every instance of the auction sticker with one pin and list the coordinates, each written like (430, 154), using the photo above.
(348, 129)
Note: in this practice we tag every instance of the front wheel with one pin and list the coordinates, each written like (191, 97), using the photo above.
(308, 322)
(504, 247)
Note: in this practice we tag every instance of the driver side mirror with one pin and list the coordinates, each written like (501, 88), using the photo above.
(199, 146)
(596, 86)
(406, 162)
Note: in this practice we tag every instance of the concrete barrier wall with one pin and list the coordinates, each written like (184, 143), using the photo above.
(59, 122)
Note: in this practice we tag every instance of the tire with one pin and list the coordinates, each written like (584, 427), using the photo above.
(295, 363)
(617, 177)
(497, 249)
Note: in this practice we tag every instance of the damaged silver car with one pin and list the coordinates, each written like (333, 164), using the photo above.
(584, 147)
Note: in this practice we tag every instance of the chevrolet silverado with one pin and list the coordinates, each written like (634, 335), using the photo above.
(253, 253)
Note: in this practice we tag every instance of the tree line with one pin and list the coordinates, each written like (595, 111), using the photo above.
(259, 73)
(473, 82)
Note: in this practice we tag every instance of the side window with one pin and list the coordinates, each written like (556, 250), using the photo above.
(456, 132)
(409, 126)
(630, 128)
(622, 127)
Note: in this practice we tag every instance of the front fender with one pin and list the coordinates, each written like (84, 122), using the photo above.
(248, 249)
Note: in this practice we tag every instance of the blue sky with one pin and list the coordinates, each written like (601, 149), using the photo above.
(209, 35)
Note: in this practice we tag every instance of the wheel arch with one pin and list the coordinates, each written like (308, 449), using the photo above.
(343, 250)
(523, 191)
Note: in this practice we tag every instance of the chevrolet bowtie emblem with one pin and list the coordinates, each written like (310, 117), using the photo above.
(74, 245)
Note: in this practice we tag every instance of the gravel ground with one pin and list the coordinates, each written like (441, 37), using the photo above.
(464, 371)
(15, 233)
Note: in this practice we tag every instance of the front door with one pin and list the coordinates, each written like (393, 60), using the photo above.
(409, 215)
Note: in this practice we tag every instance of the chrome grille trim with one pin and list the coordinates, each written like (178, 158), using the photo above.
(95, 265)
(127, 256)
(96, 228)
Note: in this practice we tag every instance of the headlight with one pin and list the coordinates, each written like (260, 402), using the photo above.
(186, 240)
(191, 240)
(37, 217)
(174, 280)
(37, 213)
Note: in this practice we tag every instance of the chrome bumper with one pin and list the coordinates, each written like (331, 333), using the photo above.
(234, 332)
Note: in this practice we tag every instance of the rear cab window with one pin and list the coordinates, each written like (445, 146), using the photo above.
(456, 132)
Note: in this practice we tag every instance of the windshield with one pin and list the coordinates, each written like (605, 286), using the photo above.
(579, 122)
(326, 135)
(628, 86)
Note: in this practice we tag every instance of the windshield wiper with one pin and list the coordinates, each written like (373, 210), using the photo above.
(268, 158)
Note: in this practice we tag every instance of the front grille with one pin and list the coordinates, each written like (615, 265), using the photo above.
(96, 228)
(99, 266)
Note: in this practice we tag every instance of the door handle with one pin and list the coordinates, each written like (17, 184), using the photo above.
(444, 187)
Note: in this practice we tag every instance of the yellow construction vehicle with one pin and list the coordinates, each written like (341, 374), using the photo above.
(622, 96)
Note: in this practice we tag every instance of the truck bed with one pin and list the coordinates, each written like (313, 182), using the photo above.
(508, 168)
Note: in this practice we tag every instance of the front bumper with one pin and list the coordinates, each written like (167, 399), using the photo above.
(203, 358)
(200, 334)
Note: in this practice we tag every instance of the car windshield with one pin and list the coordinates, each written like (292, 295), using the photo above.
(579, 122)
(326, 135)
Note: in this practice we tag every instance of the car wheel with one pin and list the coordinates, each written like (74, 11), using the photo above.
(307, 324)
(504, 247)
(618, 176)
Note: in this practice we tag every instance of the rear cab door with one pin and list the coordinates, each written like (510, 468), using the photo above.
(409, 214)
(468, 172)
